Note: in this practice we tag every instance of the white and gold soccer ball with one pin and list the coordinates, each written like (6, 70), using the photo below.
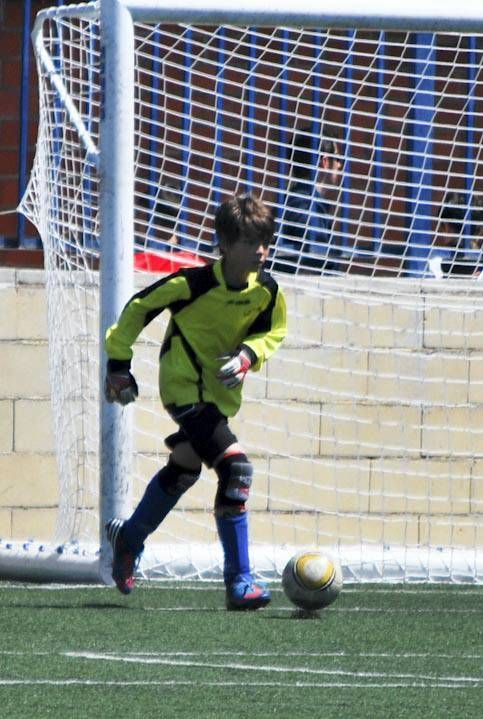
(312, 580)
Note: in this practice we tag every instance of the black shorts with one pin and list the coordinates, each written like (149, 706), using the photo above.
(204, 427)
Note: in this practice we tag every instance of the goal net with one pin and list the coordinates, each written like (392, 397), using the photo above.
(364, 137)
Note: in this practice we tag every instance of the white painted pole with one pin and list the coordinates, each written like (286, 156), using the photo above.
(116, 239)
(428, 15)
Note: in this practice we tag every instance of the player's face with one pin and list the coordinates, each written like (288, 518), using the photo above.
(246, 254)
(332, 166)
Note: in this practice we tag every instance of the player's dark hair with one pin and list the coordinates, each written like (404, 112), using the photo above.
(244, 215)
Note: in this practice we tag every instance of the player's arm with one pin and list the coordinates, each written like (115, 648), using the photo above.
(268, 331)
(120, 385)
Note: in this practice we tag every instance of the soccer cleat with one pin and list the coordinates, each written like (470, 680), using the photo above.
(245, 594)
(124, 562)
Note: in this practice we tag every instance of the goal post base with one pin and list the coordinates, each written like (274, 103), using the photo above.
(43, 563)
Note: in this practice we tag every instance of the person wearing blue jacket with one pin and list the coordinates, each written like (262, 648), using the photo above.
(305, 242)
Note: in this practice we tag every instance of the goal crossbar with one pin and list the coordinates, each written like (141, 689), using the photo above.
(377, 15)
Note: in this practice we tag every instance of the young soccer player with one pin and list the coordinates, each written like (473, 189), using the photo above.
(226, 318)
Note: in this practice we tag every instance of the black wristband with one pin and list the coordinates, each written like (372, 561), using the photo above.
(114, 365)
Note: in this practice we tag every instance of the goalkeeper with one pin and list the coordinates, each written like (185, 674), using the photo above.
(226, 318)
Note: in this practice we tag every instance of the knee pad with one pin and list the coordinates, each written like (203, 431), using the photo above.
(176, 480)
(235, 474)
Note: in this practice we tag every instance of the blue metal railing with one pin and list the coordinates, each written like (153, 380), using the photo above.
(186, 143)
(470, 129)
(154, 174)
(377, 224)
(347, 178)
(220, 92)
(283, 135)
(250, 123)
(420, 155)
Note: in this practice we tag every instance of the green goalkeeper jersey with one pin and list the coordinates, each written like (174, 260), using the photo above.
(208, 320)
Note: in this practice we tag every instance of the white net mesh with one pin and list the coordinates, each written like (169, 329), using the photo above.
(365, 429)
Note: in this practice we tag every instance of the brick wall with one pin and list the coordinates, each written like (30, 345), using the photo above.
(28, 473)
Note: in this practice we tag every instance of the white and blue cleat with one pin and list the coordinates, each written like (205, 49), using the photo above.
(246, 594)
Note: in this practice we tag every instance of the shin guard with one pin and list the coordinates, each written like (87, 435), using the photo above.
(233, 533)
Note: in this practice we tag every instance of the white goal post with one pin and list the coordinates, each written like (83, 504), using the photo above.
(366, 429)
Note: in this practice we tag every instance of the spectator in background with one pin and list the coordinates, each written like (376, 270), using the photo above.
(459, 235)
(305, 240)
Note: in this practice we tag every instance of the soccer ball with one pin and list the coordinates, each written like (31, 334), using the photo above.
(312, 580)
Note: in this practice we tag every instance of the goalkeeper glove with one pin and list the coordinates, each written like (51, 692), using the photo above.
(233, 371)
(120, 385)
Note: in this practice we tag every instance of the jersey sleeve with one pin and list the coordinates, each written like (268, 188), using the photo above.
(269, 330)
(141, 309)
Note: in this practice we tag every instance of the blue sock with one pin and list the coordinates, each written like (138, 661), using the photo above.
(148, 515)
(233, 533)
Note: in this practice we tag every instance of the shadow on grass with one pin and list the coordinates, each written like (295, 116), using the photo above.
(97, 606)
(90, 605)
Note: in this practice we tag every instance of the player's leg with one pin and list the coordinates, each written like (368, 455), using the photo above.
(213, 441)
(235, 474)
(161, 495)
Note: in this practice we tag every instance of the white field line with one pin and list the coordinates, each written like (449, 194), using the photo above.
(170, 661)
(332, 609)
(327, 676)
(285, 685)
(305, 655)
